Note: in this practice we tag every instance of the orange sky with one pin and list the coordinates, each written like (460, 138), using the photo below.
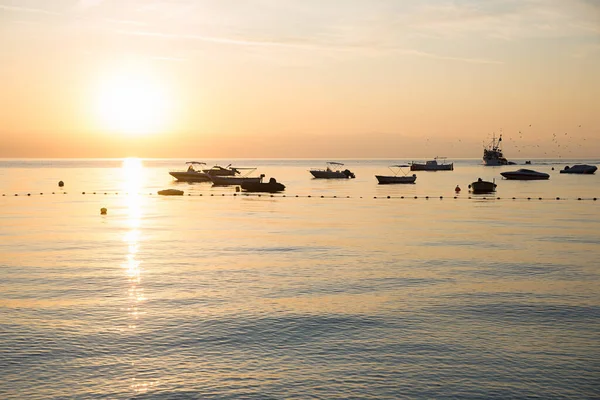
(106, 78)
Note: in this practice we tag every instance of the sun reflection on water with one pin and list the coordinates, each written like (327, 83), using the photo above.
(133, 177)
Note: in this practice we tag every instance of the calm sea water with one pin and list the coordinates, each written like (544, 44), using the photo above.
(349, 297)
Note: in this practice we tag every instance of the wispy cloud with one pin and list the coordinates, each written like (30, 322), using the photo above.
(508, 19)
(310, 45)
(27, 10)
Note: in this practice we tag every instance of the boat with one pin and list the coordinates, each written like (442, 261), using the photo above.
(217, 170)
(332, 171)
(191, 174)
(227, 180)
(481, 186)
(432, 165)
(579, 169)
(396, 178)
(492, 154)
(266, 187)
(525, 175)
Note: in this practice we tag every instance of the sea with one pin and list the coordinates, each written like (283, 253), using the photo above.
(332, 289)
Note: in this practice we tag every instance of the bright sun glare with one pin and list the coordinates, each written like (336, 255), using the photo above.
(131, 101)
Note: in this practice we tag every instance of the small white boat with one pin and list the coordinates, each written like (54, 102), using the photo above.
(481, 186)
(332, 171)
(191, 174)
(525, 175)
(579, 169)
(396, 178)
(432, 165)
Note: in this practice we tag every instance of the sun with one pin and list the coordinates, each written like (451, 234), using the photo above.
(132, 101)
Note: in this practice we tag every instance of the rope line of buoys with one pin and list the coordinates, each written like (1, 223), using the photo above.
(308, 196)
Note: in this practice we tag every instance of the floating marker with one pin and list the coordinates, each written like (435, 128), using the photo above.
(103, 211)
(61, 184)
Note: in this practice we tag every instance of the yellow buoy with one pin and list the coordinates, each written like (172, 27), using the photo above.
(103, 211)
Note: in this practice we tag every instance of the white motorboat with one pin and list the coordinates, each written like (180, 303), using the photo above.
(332, 171)
(525, 175)
(400, 176)
(191, 174)
(579, 169)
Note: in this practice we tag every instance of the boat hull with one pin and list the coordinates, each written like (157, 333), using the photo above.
(263, 187)
(388, 180)
(483, 187)
(234, 180)
(494, 162)
(438, 167)
(184, 176)
(518, 177)
(579, 169)
(322, 174)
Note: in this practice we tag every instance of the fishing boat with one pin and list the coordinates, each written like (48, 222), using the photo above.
(266, 187)
(579, 169)
(432, 165)
(400, 176)
(525, 175)
(192, 174)
(481, 186)
(332, 171)
(492, 154)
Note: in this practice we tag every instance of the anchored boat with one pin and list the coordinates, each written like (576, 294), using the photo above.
(226, 180)
(432, 165)
(579, 169)
(192, 174)
(525, 175)
(265, 187)
(492, 154)
(481, 186)
(397, 177)
(332, 171)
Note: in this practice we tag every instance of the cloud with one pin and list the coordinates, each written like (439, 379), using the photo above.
(28, 10)
(508, 19)
(309, 45)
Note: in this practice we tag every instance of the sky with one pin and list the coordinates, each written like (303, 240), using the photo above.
(299, 79)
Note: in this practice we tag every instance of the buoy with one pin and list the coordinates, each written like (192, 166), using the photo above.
(170, 192)
(61, 184)
(103, 211)
(457, 189)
